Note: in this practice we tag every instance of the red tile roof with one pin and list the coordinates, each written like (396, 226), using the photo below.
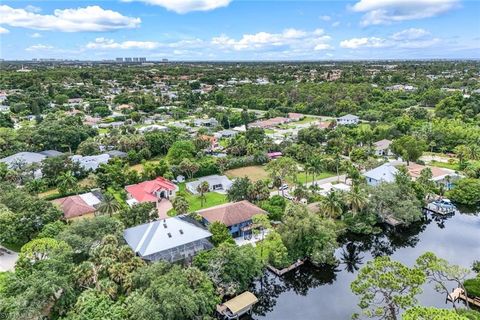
(144, 191)
(231, 213)
(73, 206)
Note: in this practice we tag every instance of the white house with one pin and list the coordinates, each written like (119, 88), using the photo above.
(91, 162)
(384, 173)
(382, 148)
(348, 120)
(153, 127)
(220, 184)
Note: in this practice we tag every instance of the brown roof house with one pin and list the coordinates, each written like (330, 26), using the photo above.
(237, 216)
(79, 206)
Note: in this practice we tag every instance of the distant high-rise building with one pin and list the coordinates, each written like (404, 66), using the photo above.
(135, 59)
(128, 59)
(164, 60)
(142, 59)
(119, 59)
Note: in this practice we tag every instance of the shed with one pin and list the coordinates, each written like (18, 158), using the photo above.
(241, 304)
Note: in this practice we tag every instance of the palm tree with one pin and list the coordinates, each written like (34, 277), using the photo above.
(332, 205)
(66, 182)
(474, 151)
(357, 199)
(180, 205)
(109, 205)
(316, 165)
(202, 189)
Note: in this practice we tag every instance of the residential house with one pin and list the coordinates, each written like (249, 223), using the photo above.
(237, 216)
(173, 239)
(384, 173)
(22, 159)
(382, 148)
(441, 176)
(220, 184)
(210, 123)
(79, 206)
(212, 142)
(295, 116)
(153, 127)
(225, 134)
(349, 119)
(269, 123)
(274, 155)
(151, 191)
(91, 163)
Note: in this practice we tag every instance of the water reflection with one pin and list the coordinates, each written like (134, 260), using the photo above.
(324, 293)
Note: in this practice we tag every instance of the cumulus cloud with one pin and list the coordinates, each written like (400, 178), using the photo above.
(408, 39)
(290, 38)
(184, 6)
(39, 47)
(36, 35)
(325, 18)
(388, 11)
(103, 43)
(4, 31)
(91, 18)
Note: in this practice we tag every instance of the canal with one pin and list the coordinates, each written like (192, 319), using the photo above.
(324, 293)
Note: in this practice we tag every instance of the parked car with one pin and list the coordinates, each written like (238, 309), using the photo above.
(283, 187)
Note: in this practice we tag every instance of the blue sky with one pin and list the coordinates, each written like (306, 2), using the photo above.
(240, 29)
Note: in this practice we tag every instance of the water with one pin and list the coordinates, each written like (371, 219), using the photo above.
(324, 293)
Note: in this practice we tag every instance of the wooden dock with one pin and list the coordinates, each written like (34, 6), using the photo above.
(287, 269)
(436, 209)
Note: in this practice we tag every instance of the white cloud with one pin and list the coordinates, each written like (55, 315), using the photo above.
(36, 35)
(31, 8)
(4, 31)
(325, 18)
(355, 43)
(290, 38)
(91, 18)
(103, 43)
(388, 11)
(184, 6)
(39, 47)
(410, 34)
(407, 39)
(336, 24)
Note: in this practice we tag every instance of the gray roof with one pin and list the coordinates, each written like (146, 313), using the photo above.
(51, 153)
(382, 144)
(27, 157)
(117, 153)
(153, 237)
(385, 172)
(349, 117)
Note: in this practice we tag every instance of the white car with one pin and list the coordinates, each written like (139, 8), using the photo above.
(283, 187)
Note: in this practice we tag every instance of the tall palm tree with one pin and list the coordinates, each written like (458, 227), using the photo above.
(67, 182)
(202, 189)
(109, 205)
(357, 199)
(332, 205)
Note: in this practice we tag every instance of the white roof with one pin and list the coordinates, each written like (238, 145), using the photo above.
(90, 199)
(158, 236)
(385, 172)
(27, 157)
(349, 117)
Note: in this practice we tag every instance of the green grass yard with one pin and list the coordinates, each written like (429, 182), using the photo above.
(302, 179)
(211, 199)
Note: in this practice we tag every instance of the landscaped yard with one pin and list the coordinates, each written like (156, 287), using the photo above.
(139, 167)
(255, 173)
(211, 199)
(447, 165)
(301, 177)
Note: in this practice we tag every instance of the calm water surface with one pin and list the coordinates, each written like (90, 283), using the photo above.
(324, 293)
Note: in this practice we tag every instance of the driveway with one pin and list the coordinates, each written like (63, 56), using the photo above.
(163, 207)
(8, 259)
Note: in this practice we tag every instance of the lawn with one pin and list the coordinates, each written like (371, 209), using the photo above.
(301, 177)
(139, 167)
(255, 173)
(305, 120)
(447, 165)
(211, 199)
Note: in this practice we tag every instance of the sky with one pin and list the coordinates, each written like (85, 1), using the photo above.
(201, 30)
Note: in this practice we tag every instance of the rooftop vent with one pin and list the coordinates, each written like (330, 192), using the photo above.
(169, 235)
(164, 225)
(181, 231)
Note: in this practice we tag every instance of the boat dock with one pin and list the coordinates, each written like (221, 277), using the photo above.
(432, 207)
(287, 269)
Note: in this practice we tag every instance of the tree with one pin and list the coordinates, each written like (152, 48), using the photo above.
(424, 313)
(332, 205)
(180, 150)
(67, 183)
(203, 188)
(385, 287)
(409, 148)
(42, 249)
(466, 191)
(173, 293)
(181, 205)
(220, 234)
(139, 213)
(441, 273)
(281, 169)
(240, 189)
(307, 235)
(95, 305)
(357, 199)
(188, 167)
(272, 251)
(109, 206)
(231, 268)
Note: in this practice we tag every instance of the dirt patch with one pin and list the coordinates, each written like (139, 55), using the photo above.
(255, 173)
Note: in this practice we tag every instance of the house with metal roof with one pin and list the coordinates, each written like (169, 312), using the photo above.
(349, 119)
(383, 173)
(382, 148)
(172, 239)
